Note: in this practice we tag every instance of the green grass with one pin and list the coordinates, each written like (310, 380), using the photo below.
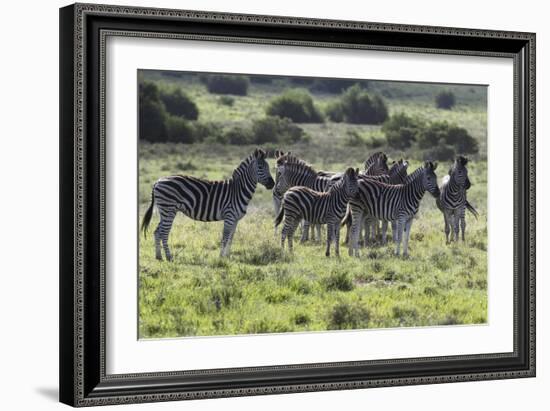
(259, 288)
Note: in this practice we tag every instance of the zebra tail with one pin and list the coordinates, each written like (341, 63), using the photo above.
(280, 215)
(148, 215)
(471, 209)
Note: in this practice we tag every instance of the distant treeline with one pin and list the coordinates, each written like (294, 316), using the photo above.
(168, 114)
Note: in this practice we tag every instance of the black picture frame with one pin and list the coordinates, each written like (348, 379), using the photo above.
(83, 29)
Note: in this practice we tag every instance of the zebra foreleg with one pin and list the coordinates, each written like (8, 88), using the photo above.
(330, 237)
(337, 239)
(400, 226)
(356, 227)
(446, 218)
(384, 232)
(305, 231)
(163, 231)
(276, 207)
(229, 227)
(318, 232)
(407, 232)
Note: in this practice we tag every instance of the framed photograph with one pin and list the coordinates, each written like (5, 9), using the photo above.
(261, 204)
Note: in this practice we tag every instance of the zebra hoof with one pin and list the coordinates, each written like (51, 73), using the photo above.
(327, 254)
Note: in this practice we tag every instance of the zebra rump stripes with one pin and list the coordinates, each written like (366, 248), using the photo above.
(205, 200)
(318, 208)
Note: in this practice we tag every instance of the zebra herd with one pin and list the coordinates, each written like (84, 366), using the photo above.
(359, 199)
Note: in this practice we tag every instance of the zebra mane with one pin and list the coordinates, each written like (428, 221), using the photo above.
(293, 164)
(414, 174)
(241, 168)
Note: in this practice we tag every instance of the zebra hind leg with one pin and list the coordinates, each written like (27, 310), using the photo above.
(456, 225)
(287, 232)
(163, 231)
(463, 224)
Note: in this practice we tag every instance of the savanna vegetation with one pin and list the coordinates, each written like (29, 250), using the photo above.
(188, 126)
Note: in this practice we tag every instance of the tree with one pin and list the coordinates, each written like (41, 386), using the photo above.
(445, 100)
(179, 104)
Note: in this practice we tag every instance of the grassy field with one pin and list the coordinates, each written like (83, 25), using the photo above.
(260, 289)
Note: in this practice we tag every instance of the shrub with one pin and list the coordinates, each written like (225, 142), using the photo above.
(432, 135)
(359, 108)
(179, 130)
(239, 136)
(152, 114)
(333, 86)
(335, 112)
(209, 132)
(276, 130)
(375, 141)
(226, 84)
(261, 79)
(339, 280)
(296, 105)
(178, 103)
(445, 100)
(348, 316)
(354, 139)
(226, 101)
(401, 130)
(442, 133)
(461, 140)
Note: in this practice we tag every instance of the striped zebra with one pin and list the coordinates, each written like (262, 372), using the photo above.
(376, 165)
(396, 203)
(276, 197)
(205, 200)
(453, 200)
(303, 203)
(299, 173)
(378, 157)
(396, 175)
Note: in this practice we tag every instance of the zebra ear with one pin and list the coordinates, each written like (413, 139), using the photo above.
(435, 165)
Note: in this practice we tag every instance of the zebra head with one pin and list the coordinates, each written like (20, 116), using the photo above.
(262, 169)
(350, 182)
(378, 167)
(430, 179)
(281, 183)
(459, 172)
(398, 171)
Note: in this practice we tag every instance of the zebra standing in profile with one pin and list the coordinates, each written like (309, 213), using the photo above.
(398, 203)
(318, 208)
(453, 199)
(396, 175)
(205, 200)
(292, 172)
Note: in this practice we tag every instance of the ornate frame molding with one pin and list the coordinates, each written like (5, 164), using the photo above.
(82, 387)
